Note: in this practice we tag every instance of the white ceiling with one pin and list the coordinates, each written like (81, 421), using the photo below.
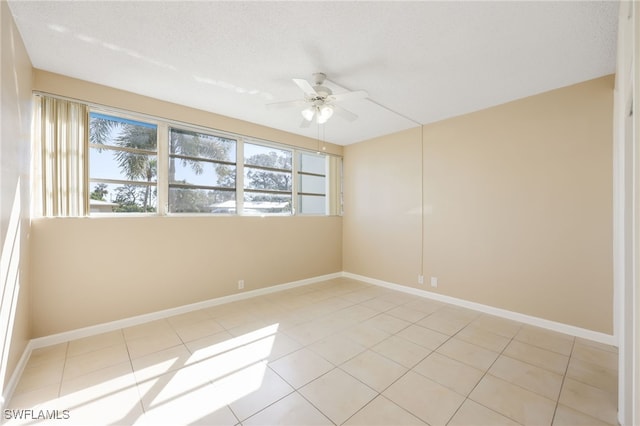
(419, 61)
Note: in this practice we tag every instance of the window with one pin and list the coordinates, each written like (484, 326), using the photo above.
(123, 165)
(267, 180)
(202, 173)
(312, 183)
(140, 165)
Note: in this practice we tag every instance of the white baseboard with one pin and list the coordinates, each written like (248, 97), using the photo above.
(66, 336)
(15, 376)
(141, 319)
(503, 313)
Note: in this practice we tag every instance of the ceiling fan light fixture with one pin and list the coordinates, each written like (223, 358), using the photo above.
(318, 103)
(324, 113)
(308, 113)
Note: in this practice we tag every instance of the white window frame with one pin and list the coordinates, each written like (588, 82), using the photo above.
(202, 130)
(240, 178)
(163, 127)
(160, 153)
(327, 183)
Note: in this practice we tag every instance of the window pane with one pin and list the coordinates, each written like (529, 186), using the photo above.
(266, 156)
(312, 184)
(121, 165)
(312, 204)
(260, 204)
(313, 163)
(187, 200)
(256, 178)
(102, 197)
(121, 132)
(202, 145)
(126, 198)
(228, 207)
(201, 173)
(133, 162)
(191, 171)
(266, 180)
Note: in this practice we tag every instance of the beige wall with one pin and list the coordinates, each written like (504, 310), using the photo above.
(517, 206)
(88, 271)
(16, 79)
(517, 215)
(382, 208)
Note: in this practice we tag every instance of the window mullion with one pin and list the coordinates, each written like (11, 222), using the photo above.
(123, 149)
(270, 188)
(268, 169)
(295, 166)
(240, 176)
(328, 184)
(163, 169)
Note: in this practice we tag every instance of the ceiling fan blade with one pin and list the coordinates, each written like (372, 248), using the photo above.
(357, 94)
(305, 87)
(344, 113)
(286, 104)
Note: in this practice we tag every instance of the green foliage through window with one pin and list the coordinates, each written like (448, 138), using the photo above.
(200, 172)
(123, 165)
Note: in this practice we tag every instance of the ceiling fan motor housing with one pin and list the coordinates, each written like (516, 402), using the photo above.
(323, 93)
(319, 100)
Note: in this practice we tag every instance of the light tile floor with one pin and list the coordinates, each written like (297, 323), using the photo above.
(336, 352)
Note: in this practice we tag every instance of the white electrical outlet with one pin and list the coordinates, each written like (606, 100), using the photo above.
(434, 281)
(420, 279)
(240, 284)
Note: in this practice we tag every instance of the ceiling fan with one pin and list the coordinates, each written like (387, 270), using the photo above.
(319, 101)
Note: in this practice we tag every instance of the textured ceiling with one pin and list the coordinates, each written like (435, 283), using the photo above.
(419, 61)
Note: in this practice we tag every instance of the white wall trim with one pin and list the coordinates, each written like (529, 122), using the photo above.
(66, 336)
(503, 313)
(141, 319)
(15, 377)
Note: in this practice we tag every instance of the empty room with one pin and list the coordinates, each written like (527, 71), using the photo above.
(320, 213)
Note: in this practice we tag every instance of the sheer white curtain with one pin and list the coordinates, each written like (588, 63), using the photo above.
(60, 157)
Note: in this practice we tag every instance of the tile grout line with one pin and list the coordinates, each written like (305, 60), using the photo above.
(564, 376)
(135, 381)
(296, 391)
(428, 355)
(321, 297)
(481, 378)
(337, 366)
(543, 368)
(409, 369)
(432, 351)
(379, 394)
(64, 366)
